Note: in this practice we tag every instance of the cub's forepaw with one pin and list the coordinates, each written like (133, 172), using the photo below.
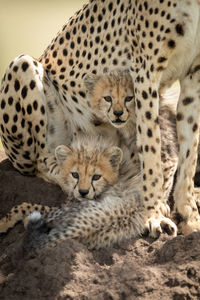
(156, 225)
(4, 226)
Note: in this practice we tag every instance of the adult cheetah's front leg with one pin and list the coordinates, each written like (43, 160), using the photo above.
(149, 145)
(188, 119)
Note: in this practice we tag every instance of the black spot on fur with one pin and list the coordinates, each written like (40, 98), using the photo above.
(17, 85)
(144, 95)
(25, 66)
(188, 100)
(161, 59)
(171, 44)
(32, 84)
(179, 29)
(179, 117)
(5, 118)
(195, 127)
(149, 133)
(24, 92)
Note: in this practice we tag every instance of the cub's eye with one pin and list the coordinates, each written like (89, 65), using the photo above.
(128, 99)
(96, 177)
(108, 99)
(75, 175)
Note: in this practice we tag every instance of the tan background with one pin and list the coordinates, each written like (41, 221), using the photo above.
(27, 27)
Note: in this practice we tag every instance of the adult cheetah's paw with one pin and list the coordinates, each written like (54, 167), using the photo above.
(187, 227)
(155, 225)
(187, 216)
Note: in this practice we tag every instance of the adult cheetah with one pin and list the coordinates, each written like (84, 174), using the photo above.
(43, 103)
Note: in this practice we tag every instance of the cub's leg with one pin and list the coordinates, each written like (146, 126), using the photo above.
(19, 213)
(188, 118)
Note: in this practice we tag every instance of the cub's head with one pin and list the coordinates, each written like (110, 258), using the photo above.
(86, 173)
(112, 96)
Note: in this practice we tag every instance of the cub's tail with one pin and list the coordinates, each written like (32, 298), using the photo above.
(37, 233)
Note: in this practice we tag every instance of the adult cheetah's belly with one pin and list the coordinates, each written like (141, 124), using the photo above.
(187, 45)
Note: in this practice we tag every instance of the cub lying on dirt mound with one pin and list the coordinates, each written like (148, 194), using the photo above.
(93, 170)
(86, 170)
(119, 213)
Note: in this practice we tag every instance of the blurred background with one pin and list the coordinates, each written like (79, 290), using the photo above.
(27, 27)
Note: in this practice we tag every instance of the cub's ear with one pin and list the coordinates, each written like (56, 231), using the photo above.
(62, 152)
(90, 80)
(115, 156)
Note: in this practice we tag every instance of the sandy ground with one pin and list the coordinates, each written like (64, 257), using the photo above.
(143, 268)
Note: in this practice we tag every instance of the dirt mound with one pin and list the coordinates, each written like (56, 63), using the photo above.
(143, 268)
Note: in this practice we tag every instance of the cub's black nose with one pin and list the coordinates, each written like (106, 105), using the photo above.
(118, 113)
(83, 193)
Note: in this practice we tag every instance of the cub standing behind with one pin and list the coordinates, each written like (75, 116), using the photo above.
(112, 98)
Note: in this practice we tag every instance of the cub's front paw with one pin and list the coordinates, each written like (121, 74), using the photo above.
(4, 225)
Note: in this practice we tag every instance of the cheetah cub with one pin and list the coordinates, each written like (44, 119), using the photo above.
(88, 167)
(86, 170)
(112, 97)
